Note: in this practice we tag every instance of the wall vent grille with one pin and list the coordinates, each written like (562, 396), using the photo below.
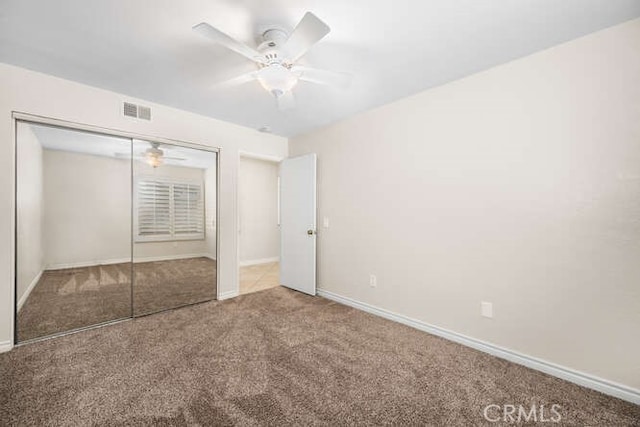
(130, 110)
(137, 111)
(144, 113)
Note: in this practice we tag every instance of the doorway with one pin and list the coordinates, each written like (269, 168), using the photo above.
(258, 224)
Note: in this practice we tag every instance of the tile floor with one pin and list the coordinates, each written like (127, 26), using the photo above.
(259, 277)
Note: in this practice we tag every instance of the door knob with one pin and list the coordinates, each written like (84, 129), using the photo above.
(310, 232)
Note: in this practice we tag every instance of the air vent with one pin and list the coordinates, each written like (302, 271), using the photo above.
(144, 113)
(137, 111)
(130, 110)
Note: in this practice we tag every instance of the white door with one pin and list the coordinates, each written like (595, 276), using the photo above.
(298, 223)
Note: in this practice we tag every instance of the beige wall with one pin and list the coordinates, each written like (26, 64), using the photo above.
(519, 186)
(87, 211)
(29, 206)
(258, 204)
(39, 94)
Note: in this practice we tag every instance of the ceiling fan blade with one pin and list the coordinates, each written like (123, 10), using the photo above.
(218, 36)
(141, 156)
(308, 32)
(286, 101)
(128, 156)
(241, 79)
(324, 77)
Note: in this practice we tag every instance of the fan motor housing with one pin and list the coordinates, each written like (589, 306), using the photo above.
(273, 38)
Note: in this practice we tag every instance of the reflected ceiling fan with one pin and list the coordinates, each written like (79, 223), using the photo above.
(153, 156)
(276, 58)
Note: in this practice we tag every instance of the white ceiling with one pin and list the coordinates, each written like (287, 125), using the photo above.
(60, 139)
(146, 49)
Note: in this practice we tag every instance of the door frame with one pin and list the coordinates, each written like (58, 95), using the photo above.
(256, 156)
(17, 117)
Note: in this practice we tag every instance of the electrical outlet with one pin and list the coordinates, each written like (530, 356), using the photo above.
(325, 222)
(373, 281)
(486, 309)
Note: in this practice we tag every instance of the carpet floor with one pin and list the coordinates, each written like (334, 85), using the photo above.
(275, 357)
(73, 298)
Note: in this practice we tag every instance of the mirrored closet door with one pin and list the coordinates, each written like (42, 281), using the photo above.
(73, 230)
(174, 226)
(109, 228)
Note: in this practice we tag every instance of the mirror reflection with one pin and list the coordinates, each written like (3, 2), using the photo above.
(174, 226)
(73, 237)
(94, 212)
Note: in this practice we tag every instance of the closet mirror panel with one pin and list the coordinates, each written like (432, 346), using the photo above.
(174, 226)
(73, 230)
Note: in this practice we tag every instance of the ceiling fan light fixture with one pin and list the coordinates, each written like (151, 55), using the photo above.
(276, 57)
(154, 157)
(154, 161)
(277, 79)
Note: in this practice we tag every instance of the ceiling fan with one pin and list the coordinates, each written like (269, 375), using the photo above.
(153, 156)
(276, 58)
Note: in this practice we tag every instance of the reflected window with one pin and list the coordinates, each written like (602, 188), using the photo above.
(169, 210)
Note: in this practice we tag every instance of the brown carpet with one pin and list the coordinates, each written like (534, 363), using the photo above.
(275, 357)
(167, 284)
(73, 298)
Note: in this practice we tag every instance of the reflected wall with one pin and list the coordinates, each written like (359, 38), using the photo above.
(73, 225)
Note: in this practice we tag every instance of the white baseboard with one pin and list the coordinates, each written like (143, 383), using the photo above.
(5, 346)
(124, 260)
(169, 257)
(258, 261)
(82, 264)
(32, 285)
(228, 295)
(586, 380)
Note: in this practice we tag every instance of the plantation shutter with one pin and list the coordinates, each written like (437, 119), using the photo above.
(169, 210)
(188, 210)
(154, 209)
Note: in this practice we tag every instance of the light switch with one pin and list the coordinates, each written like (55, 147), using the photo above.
(486, 309)
(325, 222)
